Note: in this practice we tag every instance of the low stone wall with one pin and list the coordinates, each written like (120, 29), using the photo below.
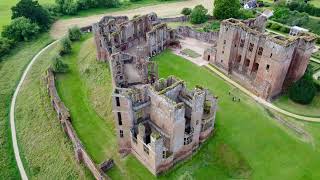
(65, 120)
(186, 31)
(174, 19)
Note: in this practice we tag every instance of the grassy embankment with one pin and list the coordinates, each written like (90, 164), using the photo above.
(44, 147)
(246, 140)
(11, 68)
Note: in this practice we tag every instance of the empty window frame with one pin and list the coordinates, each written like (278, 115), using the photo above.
(260, 51)
(119, 118)
(241, 43)
(267, 67)
(251, 47)
(121, 133)
(118, 101)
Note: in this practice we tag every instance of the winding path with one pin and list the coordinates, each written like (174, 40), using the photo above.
(12, 111)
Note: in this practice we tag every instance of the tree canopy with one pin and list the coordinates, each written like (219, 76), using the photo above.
(21, 29)
(224, 9)
(33, 11)
(304, 90)
(199, 15)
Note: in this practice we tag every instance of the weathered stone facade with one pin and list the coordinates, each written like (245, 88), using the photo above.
(262, 62)
(119, 34)
(159, 121)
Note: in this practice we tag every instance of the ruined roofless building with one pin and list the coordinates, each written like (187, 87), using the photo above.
(162, 123)
(145, 34)
(264, 63)
(158, 121)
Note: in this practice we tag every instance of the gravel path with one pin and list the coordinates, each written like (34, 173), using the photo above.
(60, 27)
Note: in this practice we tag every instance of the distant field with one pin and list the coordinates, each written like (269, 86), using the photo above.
(315, 3)
(5, 10)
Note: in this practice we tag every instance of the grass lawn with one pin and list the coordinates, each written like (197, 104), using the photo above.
(312, 109)
(315, 3)
(247, 141)
(44, 147)
(11, 68)
(190, 53)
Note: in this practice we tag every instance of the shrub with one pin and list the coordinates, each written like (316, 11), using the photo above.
(304, 90)
(215, 26)
(245, 14)
(134, 0)
(58, 66)
(186, 11)
(199, 15)
(33, 11)
(275, 26)
(284, 29)
(67, 7)
(74, 33)
(224, 9)
(20, 29)
(5, 46)
(66, 47)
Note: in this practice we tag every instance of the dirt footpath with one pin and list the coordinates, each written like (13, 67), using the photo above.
(60, 27)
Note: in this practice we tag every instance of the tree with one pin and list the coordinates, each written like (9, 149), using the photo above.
(67, 7)
(186, 11)
(33, 11)
(66, 47)
(20, 29)
(58, 66)
(224, 9)
(74, 33)
(5, 46)
(198, 15)
(304, 90)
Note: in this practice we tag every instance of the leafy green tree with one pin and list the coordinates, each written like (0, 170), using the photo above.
(66, 47)
(186, 11)
(67, 7)
(304, 90)
(198, 15)
(20, 29)
(74, 33)
(33, 11)
(58, 66)
(224, 9)
(5, 46)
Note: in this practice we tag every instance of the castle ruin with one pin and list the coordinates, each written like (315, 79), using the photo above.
(262, 62)
(159, 121)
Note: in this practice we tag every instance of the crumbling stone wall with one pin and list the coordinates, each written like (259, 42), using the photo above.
(65, 120)
(118, 34)
(186, 31)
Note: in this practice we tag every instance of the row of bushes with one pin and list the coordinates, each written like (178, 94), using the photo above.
(304, 7)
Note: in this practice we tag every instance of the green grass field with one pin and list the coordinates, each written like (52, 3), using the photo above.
(11, 69)
(315, 3)
(312, 109)
(46, 150)
(247, 141)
